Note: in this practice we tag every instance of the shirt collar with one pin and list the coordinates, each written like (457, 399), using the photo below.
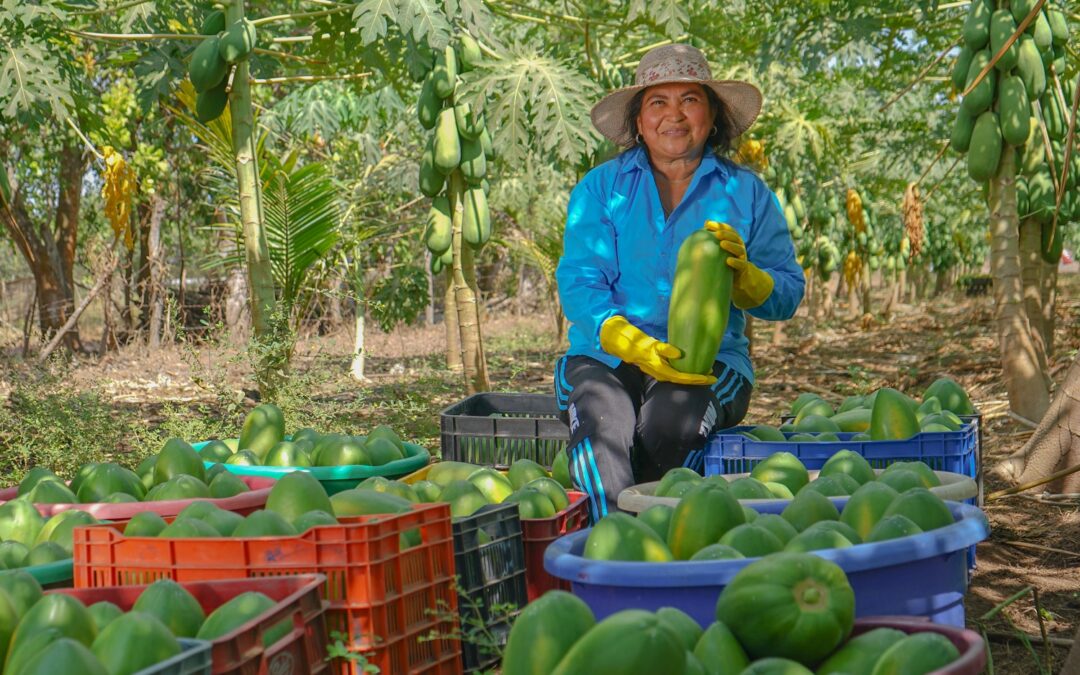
(637, 158)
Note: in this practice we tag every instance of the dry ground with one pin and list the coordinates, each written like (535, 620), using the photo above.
(408, 387)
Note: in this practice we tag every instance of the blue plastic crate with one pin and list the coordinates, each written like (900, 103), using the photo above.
(957, 451)
(924, 575)
(193, 659)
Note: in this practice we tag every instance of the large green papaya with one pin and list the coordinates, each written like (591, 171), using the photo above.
(544, 632)
(630, 641)
(1014, 110)
(447, 146)
(1021, 8)
(473, 162)
(1030, 67)
(207, 69)
(1034, 154)
(961, 133)
(704, 514)
(620, 536)
(264, 427)
(485, 141)
(982, 95)
(1059, 25)
(431, 179)
(476, 219)
(1002, 28)
(976, 30)
(238, 41)
(439, 235)
(469, 123)
(892, 418)
(1052, 241)
(700, 302)
(1042, 33)
(444, 76)
(210, 104)
(428, 104)
(213, 23)
(1041, 196)
(1054, 118)
(984, 154)
(469, 49)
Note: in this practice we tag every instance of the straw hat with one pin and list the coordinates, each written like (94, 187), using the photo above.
(675, 63)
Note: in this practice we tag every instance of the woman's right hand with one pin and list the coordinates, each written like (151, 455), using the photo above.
(623, 339)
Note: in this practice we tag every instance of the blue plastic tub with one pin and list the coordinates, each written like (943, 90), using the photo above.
(957, 451)
(922, 575)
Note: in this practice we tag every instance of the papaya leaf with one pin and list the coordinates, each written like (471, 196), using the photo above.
(421, 19)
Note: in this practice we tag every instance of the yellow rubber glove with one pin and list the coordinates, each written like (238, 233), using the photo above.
(621, 338)
(751, 285)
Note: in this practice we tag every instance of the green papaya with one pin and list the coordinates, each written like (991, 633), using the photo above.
(700, 302)
(982, 95)
(1041, 196)
(470, 52)
(1059, 59)
(1002, 28)
(976, 30)
(447, 146)
(1059, 25)
(1014, 110)
(210, 104)
(207, 69)
(1054, 118)
(1034, 153)
(485, 141)
(476, 220)
(469, 123)
(1022, 204)
(473, 162)
(961, 134)
(444, 76)
(1021, 8)
(1030, 67)
(1041, 31)
(237, 42)
(428, 104)
(439, 235)
(984, 154)
(431, 179)
(1052, 241)
(213, 23)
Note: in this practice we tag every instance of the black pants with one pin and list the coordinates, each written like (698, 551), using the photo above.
(628, 428)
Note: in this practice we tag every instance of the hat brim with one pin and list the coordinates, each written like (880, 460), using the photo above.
(743, 101)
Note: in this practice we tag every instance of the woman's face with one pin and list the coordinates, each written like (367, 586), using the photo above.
(675, 120)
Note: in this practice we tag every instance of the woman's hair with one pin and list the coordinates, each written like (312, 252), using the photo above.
(720, 141)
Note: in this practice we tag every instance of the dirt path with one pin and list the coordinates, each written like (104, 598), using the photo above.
(408, 387)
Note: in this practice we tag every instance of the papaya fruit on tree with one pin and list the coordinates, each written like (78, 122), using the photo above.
(238, 41)
(447, 146)
(207, 69)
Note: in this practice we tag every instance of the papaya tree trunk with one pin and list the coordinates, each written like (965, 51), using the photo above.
(1025, 381)
(156, 265)
(453, 332)
(1031, 269)
(864, 290)
(466, 295)
(260, 276)
(1048, 292)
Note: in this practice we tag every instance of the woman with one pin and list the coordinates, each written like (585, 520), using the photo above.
(630, 413)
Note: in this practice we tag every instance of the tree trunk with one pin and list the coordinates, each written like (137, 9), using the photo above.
(359, 360)
(50, 252)
(1055, 445)
(1031, 268)
(156, 269)
(236, 305)
(453, 333)
(1049, 304)
(902, 290)
(429, 311)
(864, 290)
(260, 276)
(1025, 382)
(467, 296)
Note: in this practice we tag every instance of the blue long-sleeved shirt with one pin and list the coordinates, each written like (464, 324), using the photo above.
(619, 250)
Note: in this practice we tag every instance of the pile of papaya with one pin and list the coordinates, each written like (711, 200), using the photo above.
(263, 442)
(454, 164)
(28, 539)
(885, 414)
(1025, 92)
(225, 45)
(709, 523)
(468, 488)
(782, 475)
(786, 613)
(45, 634)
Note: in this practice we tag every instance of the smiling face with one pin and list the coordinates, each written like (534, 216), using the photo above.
(675, 121)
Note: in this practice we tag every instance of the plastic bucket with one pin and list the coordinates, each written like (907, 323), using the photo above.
(337, 478)
(954, 487)
(243, 503)
(922, 575)
(59, 574)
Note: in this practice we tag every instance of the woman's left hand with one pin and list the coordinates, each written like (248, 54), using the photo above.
(752, 285)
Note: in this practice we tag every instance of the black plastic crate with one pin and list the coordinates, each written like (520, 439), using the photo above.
(489, 556)
(495, 429)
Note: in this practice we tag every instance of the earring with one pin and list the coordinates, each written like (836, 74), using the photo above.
(713, 130)
(638, 139)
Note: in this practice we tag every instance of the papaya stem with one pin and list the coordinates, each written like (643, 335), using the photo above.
(308, 78)
(298, 15)
(109, 10)
(135, 37)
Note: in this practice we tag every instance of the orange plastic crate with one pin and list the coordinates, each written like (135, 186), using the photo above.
(537, 534)
(241, 652)
(381, 597)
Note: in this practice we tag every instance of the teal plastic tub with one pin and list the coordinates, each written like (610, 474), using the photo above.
(338, 478)
(57, 574)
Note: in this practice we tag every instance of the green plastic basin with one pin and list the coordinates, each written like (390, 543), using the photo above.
(337, 478)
